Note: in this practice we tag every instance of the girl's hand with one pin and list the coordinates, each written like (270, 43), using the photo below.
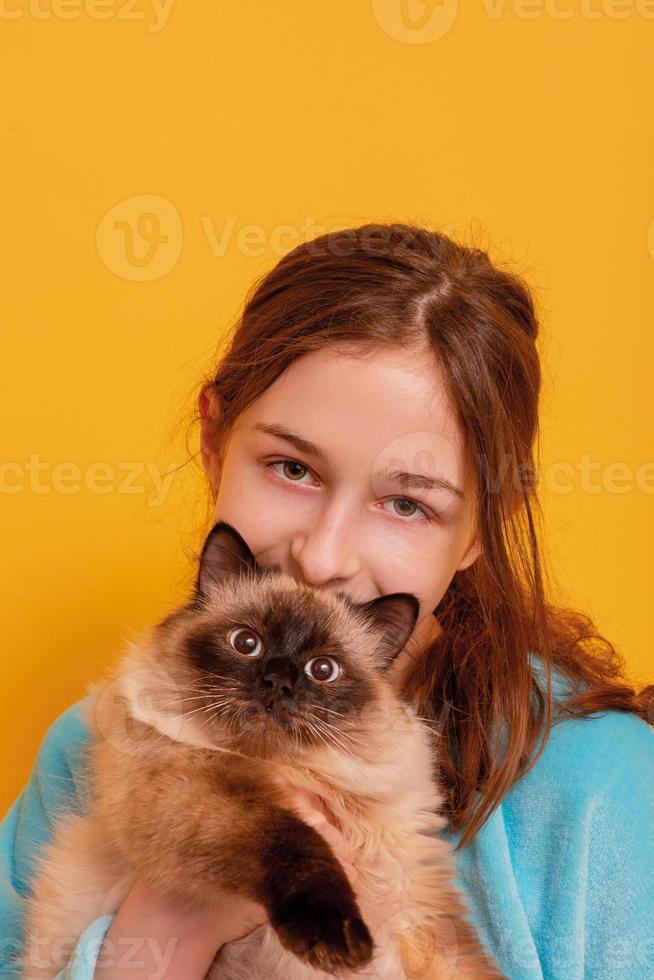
(184, 939)
(310, 807)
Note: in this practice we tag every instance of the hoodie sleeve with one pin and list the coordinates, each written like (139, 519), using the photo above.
(56, 784)
(580, 828)
(559, 879)
(620, 884)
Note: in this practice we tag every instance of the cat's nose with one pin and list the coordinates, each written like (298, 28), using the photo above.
(279, 677)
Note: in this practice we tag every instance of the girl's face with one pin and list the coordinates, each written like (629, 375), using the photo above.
(308, 478)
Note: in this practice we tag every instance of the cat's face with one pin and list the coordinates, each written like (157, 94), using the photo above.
(275, 665)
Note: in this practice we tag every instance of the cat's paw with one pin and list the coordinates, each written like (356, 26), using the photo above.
(324, 936)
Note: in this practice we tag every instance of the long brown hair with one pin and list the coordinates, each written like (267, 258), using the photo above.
(398, 285)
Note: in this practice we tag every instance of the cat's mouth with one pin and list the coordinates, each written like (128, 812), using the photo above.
(275, 717)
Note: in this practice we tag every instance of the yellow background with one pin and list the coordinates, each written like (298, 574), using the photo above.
(530, 128)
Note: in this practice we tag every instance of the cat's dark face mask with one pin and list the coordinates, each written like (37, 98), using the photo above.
(282, 668)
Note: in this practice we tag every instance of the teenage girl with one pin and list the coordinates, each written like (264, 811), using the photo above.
(371, 429)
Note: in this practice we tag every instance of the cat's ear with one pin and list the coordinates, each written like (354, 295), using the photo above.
(392, 616)
(224, 553)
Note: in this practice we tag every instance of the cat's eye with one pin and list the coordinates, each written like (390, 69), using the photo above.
(322, 669)
(245, 641)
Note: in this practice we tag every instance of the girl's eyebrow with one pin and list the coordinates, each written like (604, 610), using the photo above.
(416, 481)
(419, 481)
(295, 440)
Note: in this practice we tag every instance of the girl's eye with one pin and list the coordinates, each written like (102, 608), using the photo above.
(419, 509)
(291, 465)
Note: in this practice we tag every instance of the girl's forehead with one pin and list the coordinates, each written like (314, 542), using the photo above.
(389, 390)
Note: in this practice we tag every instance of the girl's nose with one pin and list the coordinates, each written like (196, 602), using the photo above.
(328, 551)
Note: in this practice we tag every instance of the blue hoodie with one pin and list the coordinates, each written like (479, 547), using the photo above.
(559, 881)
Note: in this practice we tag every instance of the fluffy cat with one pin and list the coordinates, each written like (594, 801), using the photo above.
(256, 686)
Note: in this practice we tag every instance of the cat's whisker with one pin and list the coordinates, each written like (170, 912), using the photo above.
(234, 719)
(297, 734)
(208, 703)
(329, 736)
(339, 732)
(351, 738)
(315, 731)
(310, 724)
(194, 697)
(195, 693)
(235, 716)
(331, 711)
(206, 708)
(224, 713)
(337, 735)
